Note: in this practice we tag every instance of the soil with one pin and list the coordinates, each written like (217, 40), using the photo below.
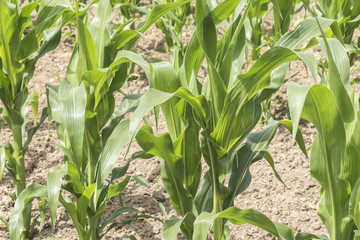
(293, 204)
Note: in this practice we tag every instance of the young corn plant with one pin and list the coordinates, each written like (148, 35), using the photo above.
(91, 134)
(21, 45)
(347, 14)
(257, 12)
(82, 105)
(172, 25)
(283, 11)
(211, 120)
(333, 107)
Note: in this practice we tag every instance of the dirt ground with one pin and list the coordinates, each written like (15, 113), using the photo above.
(294, 204)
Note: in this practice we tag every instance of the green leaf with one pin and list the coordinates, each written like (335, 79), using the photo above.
(155, 97)
(188, 146)
(71, 210)
(10, 45)
(173, 225)
(54, 182)
(270, 160)
(16, 222)
(140, 180)
(215, 90)
(51, 39)
(25, 15)
(68, 109)
(99, 31)
(114, 145)
(82, 204)
(172, 169)
(338, 76)
(116, 214)
(245, 88)
(116, 189)
(158, 11)
(165, 79)
(318, 105)
(238, 217)
(307, 30)
(254, 149)
(31, 132)
(3, 220)
(88, 56)
(330, 8)
(288, 124)
(354, 205)
(28, 45)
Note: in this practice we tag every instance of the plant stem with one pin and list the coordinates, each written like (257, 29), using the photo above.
(218, 223)
(20, 180)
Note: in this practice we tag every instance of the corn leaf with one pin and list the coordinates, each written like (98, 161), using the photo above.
(330, 8)
(155, 97)
(307, 30)
(318, 105)
(31, 132)
(116, 189)
(204, 198)
(244, 89)
(16, 222)
(173, 225)
(116, 214)
(215, 90)
(338, 77)
(254, 149)
(165, 79)
(3, 220)
(88, 56)
(68, 109)
(100, 33)
(240, 217)
(71, 210)
(172, 169)
(158, 11)
(10, 45)
(82, 203)
(114, 145)
(187, 145)
(355, 204)
(288, 124)
(54, 182)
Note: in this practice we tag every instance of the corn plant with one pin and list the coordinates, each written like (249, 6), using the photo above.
(91, 134)
(127, 11)
(172, 25)
(283, 12)
(347, 13)
(19, 42)
(334, 110)
(256, 14)
(212, 119)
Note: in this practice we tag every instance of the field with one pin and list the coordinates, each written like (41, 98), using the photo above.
(294, 203)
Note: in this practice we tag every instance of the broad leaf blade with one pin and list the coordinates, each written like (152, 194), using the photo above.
(16, 222)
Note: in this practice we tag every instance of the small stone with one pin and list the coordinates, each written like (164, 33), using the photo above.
(158, 196)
